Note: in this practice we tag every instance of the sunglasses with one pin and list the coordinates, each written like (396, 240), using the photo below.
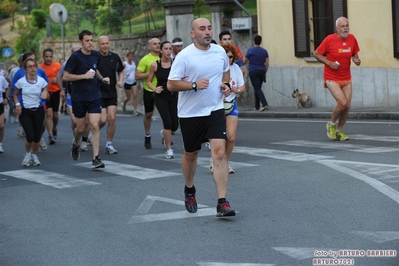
(231, 56)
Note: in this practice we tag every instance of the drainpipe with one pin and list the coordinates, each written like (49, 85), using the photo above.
(250, 16)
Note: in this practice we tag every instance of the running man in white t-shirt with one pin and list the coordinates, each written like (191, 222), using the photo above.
(199, 73)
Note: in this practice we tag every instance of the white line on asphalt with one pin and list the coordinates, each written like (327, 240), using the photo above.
(49, 178)
(376, 138)
(337, 146)
(386, 190)
(282, 155)
(131, 170)
(378, 236)
(232, 264)
(298, 253)
(300, 120)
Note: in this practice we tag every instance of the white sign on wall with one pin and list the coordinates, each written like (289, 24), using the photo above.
(241, 23)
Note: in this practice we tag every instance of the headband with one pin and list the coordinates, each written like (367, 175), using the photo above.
(177, 43)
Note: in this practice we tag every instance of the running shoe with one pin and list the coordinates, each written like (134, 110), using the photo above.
(1, 150)
(75, 151)
(55, 133)
(147, 143)
(135, 113)
(26, 160)
(109, 149)
(97, 163)
(263, 108)
(208, 145)
(34, 160)
(231, 170)
(51, 140)
(190, 203)
(331, 131)
(224, 210)
(169, 154)
(124, 108)
(341, 135)
(83, 146)
(43, 145)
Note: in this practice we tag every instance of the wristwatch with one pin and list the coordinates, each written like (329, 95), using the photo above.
(194, 86)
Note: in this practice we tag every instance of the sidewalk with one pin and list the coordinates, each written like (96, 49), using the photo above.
(380, 113)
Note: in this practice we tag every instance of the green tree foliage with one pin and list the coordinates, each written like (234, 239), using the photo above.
(29, 37)
(39, 17)
(109, 19)
(10, 8)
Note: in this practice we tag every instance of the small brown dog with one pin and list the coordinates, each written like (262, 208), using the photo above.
(301, 98)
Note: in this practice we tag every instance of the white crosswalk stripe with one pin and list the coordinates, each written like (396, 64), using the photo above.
(337, 145)
(51, 179)
(130, 170)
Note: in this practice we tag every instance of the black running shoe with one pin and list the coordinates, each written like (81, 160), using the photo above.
(97, 163)
(147, 143)
(224, 209)
(190, 203)
(75, 151)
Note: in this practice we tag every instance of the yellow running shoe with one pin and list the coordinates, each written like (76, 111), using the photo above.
(341, 135)
(331, 131)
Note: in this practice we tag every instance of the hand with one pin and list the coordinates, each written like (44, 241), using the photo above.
(202, 84)
(158, 89)
(44, 95)
(54, 80)
(225, 89)
(90, 74)
(356, 60)
(18, 109)
(5, 101)
(334, 65)
(120, 84)
(106, 80)
(62, 94)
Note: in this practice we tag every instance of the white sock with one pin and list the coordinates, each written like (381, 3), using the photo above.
(108, 143)
(331, 123)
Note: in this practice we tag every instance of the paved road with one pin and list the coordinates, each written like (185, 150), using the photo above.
(299, 196)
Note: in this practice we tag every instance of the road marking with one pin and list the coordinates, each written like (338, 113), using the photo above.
(201, 161)
(141, 215)
(298, 253)
(337, 145)
(130, 170)
(376, 138)
(282, 155)
(378, 236)
(232, 264)
(378, 185)
(51, 179)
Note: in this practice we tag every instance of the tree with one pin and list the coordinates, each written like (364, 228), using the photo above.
(109, 17)
(11, 7)
(39, 18)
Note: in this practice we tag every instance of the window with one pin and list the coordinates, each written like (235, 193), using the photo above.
(310, 32)
(395, 23)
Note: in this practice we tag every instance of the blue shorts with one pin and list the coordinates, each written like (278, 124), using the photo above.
(234, 111)
(80, 108)
(68, 100)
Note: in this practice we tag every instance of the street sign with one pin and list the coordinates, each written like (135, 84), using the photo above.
(241, 23)
(7, 52)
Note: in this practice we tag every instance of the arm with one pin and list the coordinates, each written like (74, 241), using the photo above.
(244, 60)
(225, 88)
(72, 77)
(321, 58)
(180, 85)
(151, 74)
(18, 108)
(139, 75)
(356, 59)
(121, 79)
(267, 63)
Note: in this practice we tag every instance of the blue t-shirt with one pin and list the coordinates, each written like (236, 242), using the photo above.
(257, 57)
(78, 64)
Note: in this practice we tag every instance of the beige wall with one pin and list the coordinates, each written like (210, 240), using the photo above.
(370, 22)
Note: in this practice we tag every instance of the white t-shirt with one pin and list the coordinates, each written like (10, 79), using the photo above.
(236, 80)
(29, 95)
(129, 72)
(193, 64)
(3, 87)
